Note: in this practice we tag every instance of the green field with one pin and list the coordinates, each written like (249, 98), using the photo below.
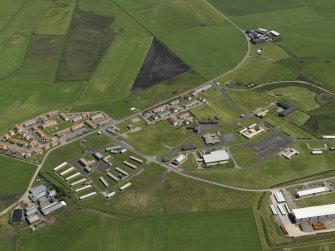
(57, 18)
(236, 230)
(216, 107)
(111, 80)
(194, 23)
(158, 139)
(12, 52)
(14, 179)
(22, 101)
(302, 98)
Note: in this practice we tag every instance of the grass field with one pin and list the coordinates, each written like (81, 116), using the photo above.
(157, 139)
(297, 96)
(194, 23)
(57, 18)
(272, 19)
(14, 179)
(298, 39)
(111, 80)
(22, 101)
(236, 230)
(273, 171)
(216, 106)
(12, 52)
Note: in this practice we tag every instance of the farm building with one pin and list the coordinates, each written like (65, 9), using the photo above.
(312, 192)
(216, 157)
(316, 213)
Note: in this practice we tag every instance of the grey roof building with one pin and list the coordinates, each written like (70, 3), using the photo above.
(37, 192)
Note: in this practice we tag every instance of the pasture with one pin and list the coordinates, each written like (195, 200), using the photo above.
(57, 18)
(235, 230)
(23, 101)
(117, 72)
(14, 179)
(194, 23)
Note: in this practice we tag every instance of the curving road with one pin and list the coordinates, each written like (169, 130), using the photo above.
(281, 82)
(168, 167)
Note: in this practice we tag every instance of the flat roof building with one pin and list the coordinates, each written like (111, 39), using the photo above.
(312, 192)
(37, 192)
(216, 157)
(316, 213)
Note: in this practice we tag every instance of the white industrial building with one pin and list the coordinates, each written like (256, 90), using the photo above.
(312, 191)
(216, 157)
(317, 213)
(179, 160)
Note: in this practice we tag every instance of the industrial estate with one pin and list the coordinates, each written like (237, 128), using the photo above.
(145, 125)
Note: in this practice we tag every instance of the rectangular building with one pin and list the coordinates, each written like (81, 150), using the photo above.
(216, 157)
(312, 192)
(316, 213)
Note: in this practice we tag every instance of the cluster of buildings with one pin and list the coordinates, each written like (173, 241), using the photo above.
(252, 131)
(262, 35)
(35, 136)
(176, 110)
(42, 203)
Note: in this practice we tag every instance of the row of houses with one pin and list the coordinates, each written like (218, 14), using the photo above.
(69, 130)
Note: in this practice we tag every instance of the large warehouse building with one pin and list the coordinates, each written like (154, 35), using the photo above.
(216, 157)
(317, 213)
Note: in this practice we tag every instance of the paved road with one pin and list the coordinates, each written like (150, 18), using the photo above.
(170, 168)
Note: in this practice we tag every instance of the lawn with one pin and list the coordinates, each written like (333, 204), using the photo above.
(157, 139)
(57, 18)
(233, 230)
(14, 179)
(22, 101)
(273, 171)
(193, 23)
